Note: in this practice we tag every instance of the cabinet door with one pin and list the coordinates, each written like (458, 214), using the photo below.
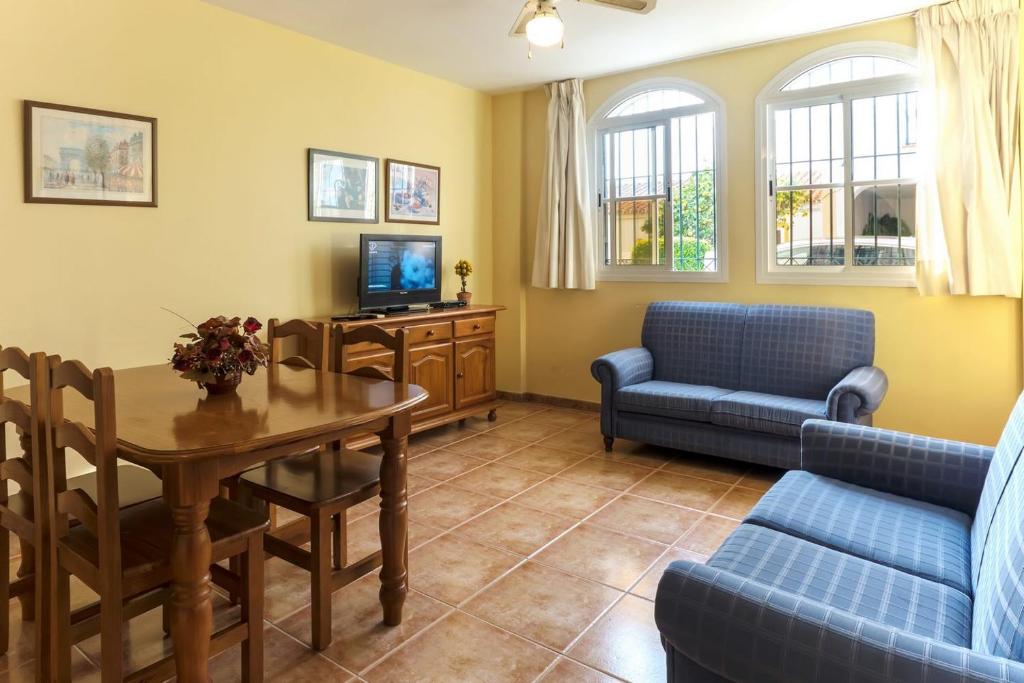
(474, 371)
(431, 368)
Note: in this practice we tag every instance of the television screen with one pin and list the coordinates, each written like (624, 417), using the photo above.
(398, 265)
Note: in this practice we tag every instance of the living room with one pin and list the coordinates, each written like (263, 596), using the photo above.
(824, 198)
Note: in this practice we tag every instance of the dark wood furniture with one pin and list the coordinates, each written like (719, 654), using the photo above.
(166, 424)
(322, 486)
(451, 355)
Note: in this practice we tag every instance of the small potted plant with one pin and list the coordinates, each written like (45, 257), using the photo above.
(218, 352)
(463, 269)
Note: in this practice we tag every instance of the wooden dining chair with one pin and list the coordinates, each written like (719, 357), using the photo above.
(321, 486)
(123, 554)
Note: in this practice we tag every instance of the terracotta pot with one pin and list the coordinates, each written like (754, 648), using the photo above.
(226, 384)
(465, 296)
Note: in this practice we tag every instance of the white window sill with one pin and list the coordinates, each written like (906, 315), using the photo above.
(628, 274)
(890, 278)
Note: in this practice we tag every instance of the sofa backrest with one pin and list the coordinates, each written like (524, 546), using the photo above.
(695, 342)
(997, 547)
(804, 351)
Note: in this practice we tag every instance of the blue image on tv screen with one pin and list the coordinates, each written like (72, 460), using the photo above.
(396, 266)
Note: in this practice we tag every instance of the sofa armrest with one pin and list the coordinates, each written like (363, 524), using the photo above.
(747, 632)
(947, 473)
(859, 393)
(616, 370)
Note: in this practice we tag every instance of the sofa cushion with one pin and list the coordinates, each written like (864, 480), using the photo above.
(804, 351)
(769, 413)
(847, 583)
(695, 342)
(918, 538)
(669, 399)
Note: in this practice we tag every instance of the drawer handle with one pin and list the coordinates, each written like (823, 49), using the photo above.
(476, 326)
(430, 333)
(459, 375)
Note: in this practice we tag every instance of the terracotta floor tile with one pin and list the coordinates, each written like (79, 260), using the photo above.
(442, 436)
(519, 409)
(519, 529)
(451, 568)
(646, 518)
(562, 417)
(360, 636)
(82, 670)
(707, 535)
(737, 502)
(285, 660)
(497, 480)
(364, 536)
(444, 506)
(542, 604)
(699, 494)
(286, 588)
(529, 432)
(461, 648)
(585, 443)
(636, 453)
(601, 555)
(568, 671)
(707, 467)
(480, 423)
(648, 585)
(591, 423)
(625, 642)
(371, 505)
(540, 459)
(441, 465)
(601, 472)
(761, 478)
(565, 497)
(486, 446)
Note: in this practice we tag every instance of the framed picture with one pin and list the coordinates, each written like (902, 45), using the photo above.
(414, 193)
(75, 155)
(342, 187)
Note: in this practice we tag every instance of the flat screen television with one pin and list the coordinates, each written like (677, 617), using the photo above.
(398, 270)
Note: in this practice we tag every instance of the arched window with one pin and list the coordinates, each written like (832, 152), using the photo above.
(658, 173)
(837, 133)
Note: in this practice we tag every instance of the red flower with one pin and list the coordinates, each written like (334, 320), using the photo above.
(225, 344)
(213, 354)
(245, 355)
(252, 325)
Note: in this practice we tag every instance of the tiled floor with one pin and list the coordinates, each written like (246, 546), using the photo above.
(534, 556)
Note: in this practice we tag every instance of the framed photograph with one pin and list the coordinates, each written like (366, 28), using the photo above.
(414, 193)
(75, 155)
(342, 187)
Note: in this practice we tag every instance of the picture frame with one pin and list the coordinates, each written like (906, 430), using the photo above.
(413, 193)
(77, 155)
(343, 188)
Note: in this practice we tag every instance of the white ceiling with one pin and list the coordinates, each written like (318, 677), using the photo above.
(467, 41)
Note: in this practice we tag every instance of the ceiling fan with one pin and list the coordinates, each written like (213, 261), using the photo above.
(540, 22)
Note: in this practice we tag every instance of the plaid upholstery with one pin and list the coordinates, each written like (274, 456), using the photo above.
(749, 632)
(695, 342)
(859, 393)
(765, 412)
(669, 399)
(844, 582)
(616, 370)
(947, 473)
(710, 439)
(804, 351)
(925, 540)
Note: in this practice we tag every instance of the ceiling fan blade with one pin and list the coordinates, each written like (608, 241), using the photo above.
(519, 28)
(638, 6)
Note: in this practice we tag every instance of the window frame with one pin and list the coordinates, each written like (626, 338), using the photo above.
(772, 98)
(600, 124)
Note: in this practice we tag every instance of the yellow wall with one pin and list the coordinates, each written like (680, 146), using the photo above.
(954, 363)
(238, 102)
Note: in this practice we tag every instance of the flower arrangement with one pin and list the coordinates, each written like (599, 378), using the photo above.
(463, 269)
(219, 351)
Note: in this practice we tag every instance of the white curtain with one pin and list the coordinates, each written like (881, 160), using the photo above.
(564, 257)
(968, 196)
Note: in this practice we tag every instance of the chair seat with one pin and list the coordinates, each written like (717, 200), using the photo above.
(847, 583)
(767, 413)
(147, 532)
(669, 399)
(316, 479)
(919, 538)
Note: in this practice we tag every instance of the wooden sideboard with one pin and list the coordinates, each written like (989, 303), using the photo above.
(451, 355)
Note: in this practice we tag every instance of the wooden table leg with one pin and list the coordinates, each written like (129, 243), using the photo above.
(394, 518)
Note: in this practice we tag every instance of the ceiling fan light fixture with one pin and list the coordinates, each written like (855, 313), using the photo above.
(546, 28)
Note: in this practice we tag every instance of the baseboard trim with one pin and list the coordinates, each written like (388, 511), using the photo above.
(557, 401)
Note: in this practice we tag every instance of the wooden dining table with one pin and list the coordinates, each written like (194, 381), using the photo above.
(192, 441)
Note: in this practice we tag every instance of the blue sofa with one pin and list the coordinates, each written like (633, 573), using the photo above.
(739, 381)
(890, 557)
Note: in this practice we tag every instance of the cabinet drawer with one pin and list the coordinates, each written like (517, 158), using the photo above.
(432, 332)
(472, 326)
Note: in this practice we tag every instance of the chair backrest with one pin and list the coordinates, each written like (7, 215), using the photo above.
(99, 447)
(695, 342)
(314, 341)
(396, 341)
(28, 418)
